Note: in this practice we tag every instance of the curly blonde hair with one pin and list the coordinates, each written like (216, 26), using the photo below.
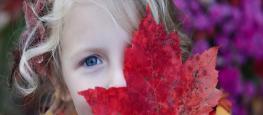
(37, 73)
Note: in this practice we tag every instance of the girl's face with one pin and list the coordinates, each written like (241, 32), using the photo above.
(92, 51)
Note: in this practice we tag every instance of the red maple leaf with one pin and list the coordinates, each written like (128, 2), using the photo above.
(158, 82)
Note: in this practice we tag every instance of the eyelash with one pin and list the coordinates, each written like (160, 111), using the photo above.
(92, 61)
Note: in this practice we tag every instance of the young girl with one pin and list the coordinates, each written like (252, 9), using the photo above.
(72, 45)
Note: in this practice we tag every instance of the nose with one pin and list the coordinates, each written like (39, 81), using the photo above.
(116, 77)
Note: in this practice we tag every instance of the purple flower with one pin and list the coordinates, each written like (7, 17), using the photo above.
(238, 29)
(218, 12)
(238, 110)
(250, 42)
(223, 42)
(229, 80)
(201, 22)
(256, 44)
(200, 46)
(180, 4)
(249, 89)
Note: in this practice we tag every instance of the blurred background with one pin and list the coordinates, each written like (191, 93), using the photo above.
(234, 25)
(11, 25)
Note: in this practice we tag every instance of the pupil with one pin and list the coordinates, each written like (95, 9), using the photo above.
(91, 61)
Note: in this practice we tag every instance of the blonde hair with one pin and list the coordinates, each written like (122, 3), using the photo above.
(122, 13)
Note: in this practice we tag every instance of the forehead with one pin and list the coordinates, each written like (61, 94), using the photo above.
(89, 26)
(87, 17)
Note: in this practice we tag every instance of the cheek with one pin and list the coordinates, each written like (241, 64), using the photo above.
(78, 80)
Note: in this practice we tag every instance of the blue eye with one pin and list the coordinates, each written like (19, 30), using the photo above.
(92, 61)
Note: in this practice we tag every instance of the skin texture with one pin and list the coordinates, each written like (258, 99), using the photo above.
(89, 30)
